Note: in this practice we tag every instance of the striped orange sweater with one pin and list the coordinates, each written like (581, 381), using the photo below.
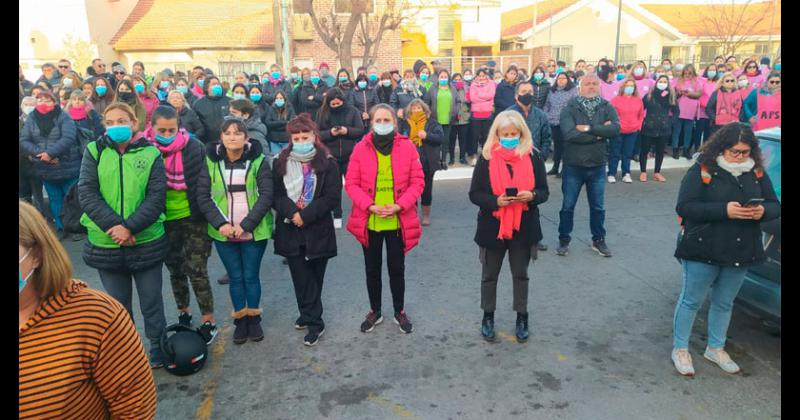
(80, 357)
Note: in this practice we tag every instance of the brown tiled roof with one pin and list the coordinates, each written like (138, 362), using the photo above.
(170, 25)
(691, 19)
(517, 21)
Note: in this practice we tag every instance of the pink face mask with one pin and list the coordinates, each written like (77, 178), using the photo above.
(460, 84)
(77, 113)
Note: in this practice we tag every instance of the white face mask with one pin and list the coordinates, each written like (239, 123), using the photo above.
(662, 86)
(28, 109)
(67, 82)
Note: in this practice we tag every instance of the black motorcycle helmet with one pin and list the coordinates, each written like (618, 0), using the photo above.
(185, 349)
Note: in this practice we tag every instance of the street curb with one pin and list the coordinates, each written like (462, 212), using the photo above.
(465, 172)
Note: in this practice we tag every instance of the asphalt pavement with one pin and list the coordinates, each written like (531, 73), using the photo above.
(599, 347)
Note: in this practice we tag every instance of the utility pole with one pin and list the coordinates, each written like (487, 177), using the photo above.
(619, 21)
(771, 27)
(285, 32)
(276, 23)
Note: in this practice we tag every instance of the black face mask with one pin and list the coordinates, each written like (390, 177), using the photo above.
(126, 97)
(526, 99)
(383, 143)
(338, 108)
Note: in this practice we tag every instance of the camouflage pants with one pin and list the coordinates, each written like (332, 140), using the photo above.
(189, 249)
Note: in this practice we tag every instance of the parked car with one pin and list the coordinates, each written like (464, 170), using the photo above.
(762, 285)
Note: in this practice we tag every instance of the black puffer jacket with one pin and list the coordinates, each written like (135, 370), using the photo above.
(384, 94)
(317, 234)
(135, 257)
(364, 99)
(305, 91)
(401, 97)
(480, 194)
(657, 121)
(191, 122)
(60, 144)
(430, 151)
(588, 149)
(345, 116)
(709, 235)
(269, 91)
(216, 152)
(276, 124)
(211, 111)
(540, 92)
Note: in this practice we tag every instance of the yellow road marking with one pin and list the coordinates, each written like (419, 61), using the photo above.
(207, 406)
(562, 358)
(506, 336)
(398, 409)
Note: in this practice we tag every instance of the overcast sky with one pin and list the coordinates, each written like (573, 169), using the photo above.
(514, 4)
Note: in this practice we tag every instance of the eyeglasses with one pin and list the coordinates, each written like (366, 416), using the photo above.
(729, 81)
(737, 152)
(119, 72)
(751, 67)
(774, 82)
(101, 65)
(63, 67)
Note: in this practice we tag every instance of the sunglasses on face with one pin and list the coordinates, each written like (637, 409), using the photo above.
(730, 81)
(751, 67)
(119, 72)
(737, 152)
(101, 65)
(774, 82)
(63, 67)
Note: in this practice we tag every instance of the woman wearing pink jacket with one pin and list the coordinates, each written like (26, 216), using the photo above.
(384, 180)
(481, 96)
(630, 108)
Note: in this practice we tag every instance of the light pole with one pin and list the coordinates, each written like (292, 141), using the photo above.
(619, 20)
(771, 27)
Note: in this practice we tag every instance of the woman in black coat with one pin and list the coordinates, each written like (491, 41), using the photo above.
(428, 136)
(721, 236)
(507, 222)
(187, 118)
(660, 106)
(211, 109)
(309, 96)
(308, 187)
(340, 127)
(364, 98)
(276, 117)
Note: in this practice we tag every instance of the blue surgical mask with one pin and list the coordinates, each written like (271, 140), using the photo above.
(279, 103)
(255, 97)
(164, 84)
(538, 76)
(216, 90)
(139, 88)
(165, 140)
(23, 281)
(119, 133)
(679, 67)
(667, 67)
(302, 148)
(638, 71)
(662, 85)
(386, 83)
(628, 90)
(101, 90)
(383, 129)
(362, 84)
(443, 82)
(201, 82)
(778, 66)
(276, 75)
(342, 79)
(510, 143)
(423, 77)
(620, 76)
(468, 78)
(560, 70)
(265, 80)
(182, 89)
(712, 74)
(315, 80)
(373, 77)
(238, 96)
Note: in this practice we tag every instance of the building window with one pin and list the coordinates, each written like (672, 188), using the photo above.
(228, 69)
(446, 26)
(707, 53)
(762, 49)
(180, 67)
(562, 53)
(674, 53)
(346, 6)
(627, 53)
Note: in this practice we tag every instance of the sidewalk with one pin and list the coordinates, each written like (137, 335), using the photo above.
(459, 171)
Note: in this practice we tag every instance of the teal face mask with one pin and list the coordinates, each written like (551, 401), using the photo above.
(423, 77)
(139, 88)
(238, 96)
(200, 82)
(342, 79)
(628, 90)
(442, 82)
(279, 103)
(302, 148)
(119, 133)
(100, 89)
(315, 80)
(276, 75)
(182, 89)
(216, 90)
(510, 143)
(164, 84)
(255, 97)
(165, 140)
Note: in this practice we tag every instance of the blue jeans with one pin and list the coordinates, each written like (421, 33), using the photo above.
(242, 261)
(56, 191)
(572, 180)
(685, 126)
(698, 277)
(622, 148)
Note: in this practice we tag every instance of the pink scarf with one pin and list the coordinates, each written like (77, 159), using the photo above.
(275, 82)
(510, 216)
(197, 90)
(173, 158)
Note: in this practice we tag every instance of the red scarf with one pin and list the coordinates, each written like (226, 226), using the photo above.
(173, 158)
(510, 216)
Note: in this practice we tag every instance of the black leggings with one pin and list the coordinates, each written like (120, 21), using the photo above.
(337, 212)
(427, 193)
(659, 143)
(395, 258)
(558, 145)
(480, 131)
(462, 131)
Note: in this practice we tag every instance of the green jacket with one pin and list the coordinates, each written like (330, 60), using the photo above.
(123, 181)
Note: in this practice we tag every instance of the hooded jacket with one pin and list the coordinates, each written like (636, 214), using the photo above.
(61, 144)
(211, 111)
(504, 96)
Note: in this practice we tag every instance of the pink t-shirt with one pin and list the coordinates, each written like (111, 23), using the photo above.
(688, 106)
(708, 89)
(644, 86)
(609, 90)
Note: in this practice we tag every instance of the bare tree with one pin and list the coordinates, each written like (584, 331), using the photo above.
(338, 31)
(733, 25)
(78, 51)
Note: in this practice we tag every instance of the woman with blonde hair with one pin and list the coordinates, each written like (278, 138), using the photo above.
(508, 184)
(426, 133)
(65, 326)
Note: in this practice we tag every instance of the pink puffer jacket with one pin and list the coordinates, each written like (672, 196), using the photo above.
(482, 97)
(409, 181)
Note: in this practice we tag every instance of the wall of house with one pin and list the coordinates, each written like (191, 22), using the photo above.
(154, 62)
(104, 19)
(592, 31)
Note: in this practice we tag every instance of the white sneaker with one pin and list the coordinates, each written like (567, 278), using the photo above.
(612, 180)
(722, 359)
(683, 362)
(627, 179)
(337, 223)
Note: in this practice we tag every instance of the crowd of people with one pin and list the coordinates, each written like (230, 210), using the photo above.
(163, 166)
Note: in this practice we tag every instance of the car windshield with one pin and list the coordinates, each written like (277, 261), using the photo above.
(771, 150)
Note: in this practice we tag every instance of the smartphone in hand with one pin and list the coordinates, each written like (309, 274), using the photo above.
(511, 191)
(754, 202)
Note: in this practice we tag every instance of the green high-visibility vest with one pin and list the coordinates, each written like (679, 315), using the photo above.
(123, 185)
(219, 194)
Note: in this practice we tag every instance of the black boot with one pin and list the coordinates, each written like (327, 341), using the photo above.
(254, 331)
(522, 327)
(687, 153)
(675, 154)
(240, 333)
(487, 327)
